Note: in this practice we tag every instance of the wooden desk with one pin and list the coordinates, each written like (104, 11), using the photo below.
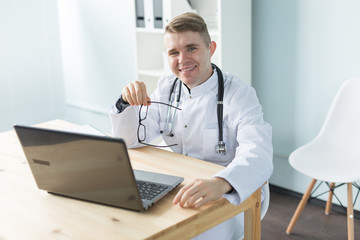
(29, 213)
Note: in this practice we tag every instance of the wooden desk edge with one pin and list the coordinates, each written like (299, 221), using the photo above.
(199, 224)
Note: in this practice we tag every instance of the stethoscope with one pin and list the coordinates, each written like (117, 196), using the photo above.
(176, 95)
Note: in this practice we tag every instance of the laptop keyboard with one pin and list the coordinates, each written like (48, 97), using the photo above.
(149, 191)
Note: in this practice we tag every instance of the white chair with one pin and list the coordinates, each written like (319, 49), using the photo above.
(334, 155)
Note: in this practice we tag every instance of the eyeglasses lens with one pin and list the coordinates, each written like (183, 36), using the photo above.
(143, 112)
(141, 133)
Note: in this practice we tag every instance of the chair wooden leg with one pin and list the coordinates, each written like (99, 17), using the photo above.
(350, 212)
(329, 201)
(301, 206)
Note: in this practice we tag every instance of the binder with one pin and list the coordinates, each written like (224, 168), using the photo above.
(158, 14)
(149, 13)
(172, 8)
(139, 8)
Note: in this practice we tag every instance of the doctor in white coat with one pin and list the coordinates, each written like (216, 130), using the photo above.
(220, 121)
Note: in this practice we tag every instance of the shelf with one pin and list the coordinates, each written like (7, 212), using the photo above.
(152, 73)
(150, 30)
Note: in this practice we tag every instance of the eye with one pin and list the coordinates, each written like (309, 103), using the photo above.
(173, 53)
(191, 49)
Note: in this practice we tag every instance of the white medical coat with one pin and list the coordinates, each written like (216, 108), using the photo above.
(248, 159)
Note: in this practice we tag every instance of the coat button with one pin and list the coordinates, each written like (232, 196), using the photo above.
(185, 126)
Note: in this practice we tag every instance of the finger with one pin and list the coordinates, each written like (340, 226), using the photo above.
(187, 195)
(202, 201)
(179, 195)
(196, 197)
(199, 191)
(141, 94)
(138, 87)
(144, 94)
(132, 95)
(127, 94)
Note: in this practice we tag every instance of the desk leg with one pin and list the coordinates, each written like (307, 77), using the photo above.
(252, 219)
(350, 213)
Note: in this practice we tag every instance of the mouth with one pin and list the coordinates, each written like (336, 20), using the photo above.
(189, 69)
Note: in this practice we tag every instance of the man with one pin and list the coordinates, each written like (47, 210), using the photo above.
(245, 149)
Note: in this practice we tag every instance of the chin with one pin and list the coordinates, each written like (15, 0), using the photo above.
(188, 77)
(185, 79)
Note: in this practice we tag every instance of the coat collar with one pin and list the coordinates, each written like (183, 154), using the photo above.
(206, 86)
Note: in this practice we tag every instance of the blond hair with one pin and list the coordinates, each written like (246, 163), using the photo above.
(189, 22)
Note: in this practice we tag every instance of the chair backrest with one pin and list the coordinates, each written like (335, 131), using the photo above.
(341, 128)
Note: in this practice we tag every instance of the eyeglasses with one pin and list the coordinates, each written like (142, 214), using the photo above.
(142, 128)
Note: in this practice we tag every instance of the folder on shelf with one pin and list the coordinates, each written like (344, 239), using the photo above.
(149, 13)
(172, 8)
(139, 8)
(158, 14)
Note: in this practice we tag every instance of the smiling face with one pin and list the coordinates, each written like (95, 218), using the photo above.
(189, 57)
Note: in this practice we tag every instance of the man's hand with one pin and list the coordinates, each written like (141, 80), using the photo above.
(135, 94)
(201, 191)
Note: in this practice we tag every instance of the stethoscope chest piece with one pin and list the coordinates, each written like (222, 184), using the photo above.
(221, 147)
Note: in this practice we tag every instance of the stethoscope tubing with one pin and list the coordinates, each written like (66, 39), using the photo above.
(221, 148)
(171, 100)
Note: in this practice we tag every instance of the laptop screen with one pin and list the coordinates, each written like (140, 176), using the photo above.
(81, 166)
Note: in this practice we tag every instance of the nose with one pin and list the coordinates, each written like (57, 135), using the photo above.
(183, 57)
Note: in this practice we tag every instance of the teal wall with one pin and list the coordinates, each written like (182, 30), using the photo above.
(303, 51)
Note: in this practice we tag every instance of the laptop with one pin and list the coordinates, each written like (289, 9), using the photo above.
(92, 168)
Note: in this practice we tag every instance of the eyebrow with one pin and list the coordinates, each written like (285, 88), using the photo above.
(192, 45)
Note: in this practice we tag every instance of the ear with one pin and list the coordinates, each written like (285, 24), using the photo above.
(212, 48)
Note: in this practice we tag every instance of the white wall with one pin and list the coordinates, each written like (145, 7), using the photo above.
(303, 51)
(31, 87)
(65, 59)
(98, 53)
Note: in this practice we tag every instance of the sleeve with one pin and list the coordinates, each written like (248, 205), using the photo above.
(252, 165)
(124, 125)
(119, 106)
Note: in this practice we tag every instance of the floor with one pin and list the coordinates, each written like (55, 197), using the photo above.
(312, 224)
